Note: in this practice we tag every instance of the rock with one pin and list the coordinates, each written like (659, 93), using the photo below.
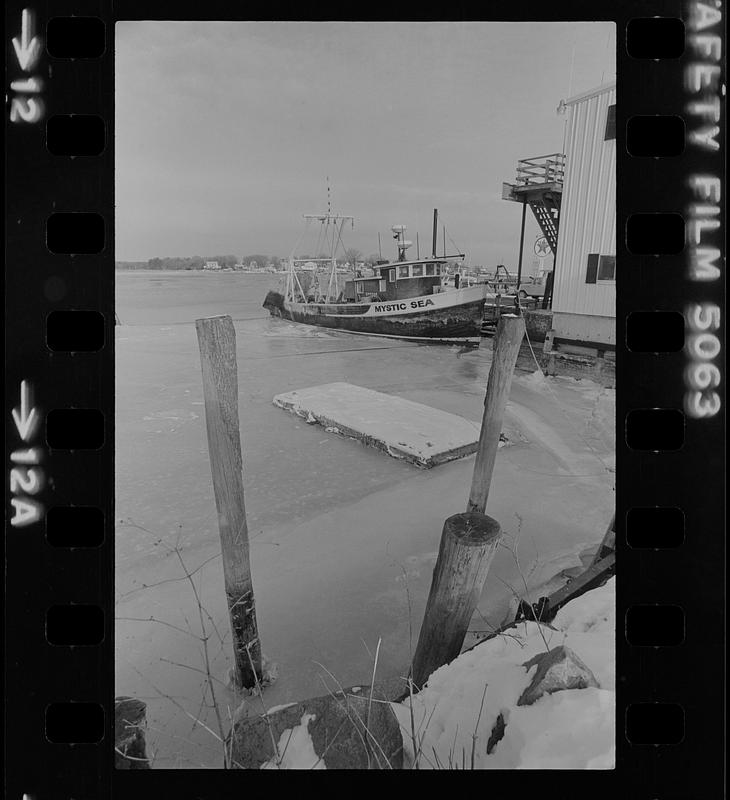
(338, 732)
(558, 669)
(129, 743)
(497, 733)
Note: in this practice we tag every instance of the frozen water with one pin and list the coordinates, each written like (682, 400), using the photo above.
(343, 538)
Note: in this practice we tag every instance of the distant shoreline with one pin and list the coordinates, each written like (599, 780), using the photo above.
(148, 271)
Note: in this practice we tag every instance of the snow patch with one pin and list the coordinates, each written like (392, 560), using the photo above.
(274, 709)
(570, 729)
(296, 749)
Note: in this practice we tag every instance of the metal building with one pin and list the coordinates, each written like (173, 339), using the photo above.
(584, 287)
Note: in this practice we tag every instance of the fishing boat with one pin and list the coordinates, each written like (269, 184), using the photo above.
(405, 298)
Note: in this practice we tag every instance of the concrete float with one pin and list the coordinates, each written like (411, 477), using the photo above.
(419, 434)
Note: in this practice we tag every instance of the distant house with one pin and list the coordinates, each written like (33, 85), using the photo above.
(212, 265)
(584, 291)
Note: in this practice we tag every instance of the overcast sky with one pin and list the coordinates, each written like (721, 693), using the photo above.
(226, 132)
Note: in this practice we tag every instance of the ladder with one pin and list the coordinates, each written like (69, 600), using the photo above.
(546, 208)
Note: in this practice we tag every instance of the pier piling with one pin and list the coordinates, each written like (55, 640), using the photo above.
(468, 544)
(217, 343)
(468, 541)
(129, 734)
(507, 341)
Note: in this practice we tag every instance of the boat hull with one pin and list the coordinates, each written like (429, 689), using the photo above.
(450, 315)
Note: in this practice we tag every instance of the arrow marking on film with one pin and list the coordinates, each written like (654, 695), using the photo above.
(27, 419)
(27, 85)
(28, 49)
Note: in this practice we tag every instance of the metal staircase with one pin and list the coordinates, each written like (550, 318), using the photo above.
(547, 213)
(539, 184)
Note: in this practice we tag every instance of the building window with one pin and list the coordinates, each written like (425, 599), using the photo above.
(429, 269)
(606, 269)
(601, 269)
(402, 272)
(391, 276)
(592, 270)
(610, 123)
(418, 271)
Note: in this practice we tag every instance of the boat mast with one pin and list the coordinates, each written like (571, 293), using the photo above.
(337, 223)
(333, 268)
(435, 231)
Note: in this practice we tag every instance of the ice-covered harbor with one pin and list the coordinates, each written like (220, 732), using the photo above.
(343, 538)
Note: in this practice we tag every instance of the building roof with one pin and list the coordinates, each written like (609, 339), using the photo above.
(577, 98)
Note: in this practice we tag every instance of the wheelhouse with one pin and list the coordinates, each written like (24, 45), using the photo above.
(398, 280)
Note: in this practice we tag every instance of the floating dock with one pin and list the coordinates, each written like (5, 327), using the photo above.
(422, 435)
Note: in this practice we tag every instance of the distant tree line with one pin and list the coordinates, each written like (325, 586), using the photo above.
(198, 262)
(192, 262)
(351, 256)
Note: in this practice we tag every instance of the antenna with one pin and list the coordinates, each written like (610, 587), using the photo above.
(329, 200)
(570, 91)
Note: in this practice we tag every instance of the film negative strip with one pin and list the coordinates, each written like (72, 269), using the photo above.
(71, 729)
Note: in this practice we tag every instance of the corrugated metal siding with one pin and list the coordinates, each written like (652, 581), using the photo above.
(585, 328)
(588, 209)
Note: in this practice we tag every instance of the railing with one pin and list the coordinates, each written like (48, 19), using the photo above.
(540, 170)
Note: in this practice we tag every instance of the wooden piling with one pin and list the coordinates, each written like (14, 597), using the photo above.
(507, 341)
(217, 343)
(129, 734)
(468, 544)
(608, 543)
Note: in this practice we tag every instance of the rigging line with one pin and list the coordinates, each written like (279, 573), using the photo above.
(570, 91)
(560, 405)
(456, 246)
(608, 41)
(339, 238)
(299, 241)
(561, 474)
(590, 447)
(318, 243)
(323, 352)
(183, 322)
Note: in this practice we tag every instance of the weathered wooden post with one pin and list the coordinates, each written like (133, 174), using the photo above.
(129, 727)
(468, 541)
(217, 342)
(608, 543)
(507, 342)
(468, 544)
